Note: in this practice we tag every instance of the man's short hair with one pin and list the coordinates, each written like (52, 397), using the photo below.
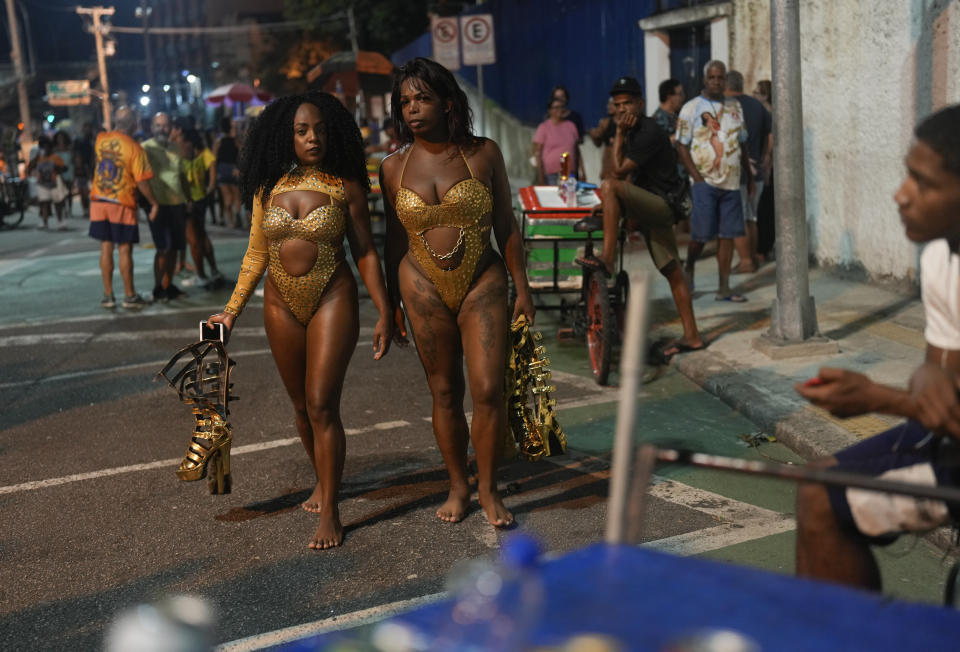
(626, 86)
(667, 88)
(939, 132)
(735, 81)
(714, 63)
(126, 119)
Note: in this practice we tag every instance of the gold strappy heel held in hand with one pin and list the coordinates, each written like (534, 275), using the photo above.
(205, 384)
(528, 371)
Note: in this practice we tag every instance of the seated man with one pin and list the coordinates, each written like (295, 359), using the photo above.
(644, 175)
(836, 525)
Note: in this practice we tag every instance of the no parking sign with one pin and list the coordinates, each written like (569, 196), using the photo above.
(477, 36)
(446, 42)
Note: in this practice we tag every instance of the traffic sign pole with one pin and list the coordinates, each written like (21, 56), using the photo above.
(478, 49)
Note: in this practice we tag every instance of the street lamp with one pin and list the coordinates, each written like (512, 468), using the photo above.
(143, 13)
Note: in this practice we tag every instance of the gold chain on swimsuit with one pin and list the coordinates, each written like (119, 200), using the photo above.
(466, 206)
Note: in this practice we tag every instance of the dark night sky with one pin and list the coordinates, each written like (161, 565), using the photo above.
(58, 32)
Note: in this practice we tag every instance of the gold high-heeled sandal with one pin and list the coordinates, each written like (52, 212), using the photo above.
(528, 365)
(206, 385)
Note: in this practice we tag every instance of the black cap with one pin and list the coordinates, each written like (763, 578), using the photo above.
(627, 85)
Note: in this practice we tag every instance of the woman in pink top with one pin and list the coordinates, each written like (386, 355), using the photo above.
(554, 136)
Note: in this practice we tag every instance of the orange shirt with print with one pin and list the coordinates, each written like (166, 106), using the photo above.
(121, 164)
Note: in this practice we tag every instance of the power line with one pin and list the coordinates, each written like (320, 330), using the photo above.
(223, 29)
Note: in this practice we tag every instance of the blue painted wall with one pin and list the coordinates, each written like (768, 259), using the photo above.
(581, 44)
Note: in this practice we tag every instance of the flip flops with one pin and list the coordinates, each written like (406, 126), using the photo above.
(662, 355)
(593, 264)
(732, 298)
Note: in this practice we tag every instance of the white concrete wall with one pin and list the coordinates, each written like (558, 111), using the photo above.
(516, 140)
(871, 70)
(511, 135)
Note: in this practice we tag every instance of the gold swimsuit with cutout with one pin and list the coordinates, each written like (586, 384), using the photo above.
(466, 206)
(271, 228)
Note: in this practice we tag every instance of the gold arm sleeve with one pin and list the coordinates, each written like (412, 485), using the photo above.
(253, 265)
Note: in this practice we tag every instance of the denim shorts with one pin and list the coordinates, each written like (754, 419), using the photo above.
(717, 213)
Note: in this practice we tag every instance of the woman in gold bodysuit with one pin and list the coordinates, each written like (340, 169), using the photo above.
(303, 167)
(446, 190)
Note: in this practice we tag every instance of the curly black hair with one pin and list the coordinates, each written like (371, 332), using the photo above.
(442, 82)
(268, 153)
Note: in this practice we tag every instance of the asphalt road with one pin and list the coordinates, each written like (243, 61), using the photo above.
(93, 519)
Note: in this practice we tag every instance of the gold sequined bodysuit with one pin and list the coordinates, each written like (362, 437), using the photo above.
(466, 206)
(271, 228)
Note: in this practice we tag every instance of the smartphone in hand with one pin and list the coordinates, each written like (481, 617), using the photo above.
(209, 334)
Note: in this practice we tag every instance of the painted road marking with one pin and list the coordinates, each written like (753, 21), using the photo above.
(345, 621)
(739, 522)
(156, 364)
(85, 337)
(239, 450)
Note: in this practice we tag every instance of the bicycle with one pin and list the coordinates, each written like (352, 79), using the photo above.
(599, 314)
(13, 202)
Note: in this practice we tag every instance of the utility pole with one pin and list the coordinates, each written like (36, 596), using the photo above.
(99, 30)
(27, 139)
(361, 111)
(143, 12)
(793, 321)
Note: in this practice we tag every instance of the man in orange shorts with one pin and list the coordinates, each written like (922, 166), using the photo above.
(121, 169)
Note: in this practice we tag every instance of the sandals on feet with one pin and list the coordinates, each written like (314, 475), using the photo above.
(593, 263)
(732, 298)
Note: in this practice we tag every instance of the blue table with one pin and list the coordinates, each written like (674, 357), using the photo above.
(647, 599)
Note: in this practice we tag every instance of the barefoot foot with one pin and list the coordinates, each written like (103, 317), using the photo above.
(455, 508)
(329, 532)
(497, 513)
(313, 503)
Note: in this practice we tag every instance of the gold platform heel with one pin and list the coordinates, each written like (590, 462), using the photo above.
(205, 384)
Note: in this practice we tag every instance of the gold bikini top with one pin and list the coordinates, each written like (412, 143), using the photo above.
(466, 206)
(324, 226)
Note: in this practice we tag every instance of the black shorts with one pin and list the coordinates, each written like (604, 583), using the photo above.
(169, 228)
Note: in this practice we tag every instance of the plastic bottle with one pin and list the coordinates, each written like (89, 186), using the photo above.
(496, 606)
(568, 185)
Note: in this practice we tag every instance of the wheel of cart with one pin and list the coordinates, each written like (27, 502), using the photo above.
(13, 202)
(602, 305)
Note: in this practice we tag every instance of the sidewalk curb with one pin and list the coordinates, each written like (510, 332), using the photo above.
(771, 407)
(775, 411)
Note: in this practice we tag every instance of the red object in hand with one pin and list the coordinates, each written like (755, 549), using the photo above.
(813, 382)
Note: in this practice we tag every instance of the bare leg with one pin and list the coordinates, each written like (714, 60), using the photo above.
(44, 212)
(484, 323)
(125, 258)
(694, 249)
(724, 259)
(314, 382)
(680, 288)
(825, 550)
(208, 255)
(196, 251)
(106, 266)
(742, 245)
(438, 345)
(331, 340)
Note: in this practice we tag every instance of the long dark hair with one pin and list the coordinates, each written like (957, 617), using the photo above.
(439, 80)
(268, 152)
